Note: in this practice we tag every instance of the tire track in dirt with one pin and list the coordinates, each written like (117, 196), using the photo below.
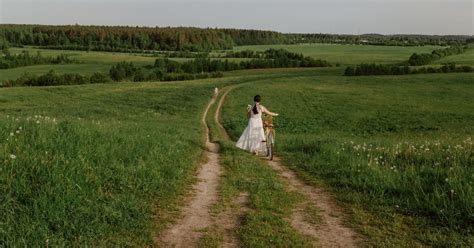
(330, 232)
(196, 216)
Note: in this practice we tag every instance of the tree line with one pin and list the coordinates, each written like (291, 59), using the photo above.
(380, 40)
(141, 39)
(382, 69)
(127, 38)
(271, 58)
(165, 69)
(427, 58)
(24, 58)
(415, 59)
(52, 78)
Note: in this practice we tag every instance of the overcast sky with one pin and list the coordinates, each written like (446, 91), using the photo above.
(325, 16)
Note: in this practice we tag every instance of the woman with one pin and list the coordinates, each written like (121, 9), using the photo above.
(253, 137)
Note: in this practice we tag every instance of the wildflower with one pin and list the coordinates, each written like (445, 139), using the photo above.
(446, 179)
(12, 156)
(11, 134)
(20, 128)
(17, 131)
(452, 191)
(37, 122)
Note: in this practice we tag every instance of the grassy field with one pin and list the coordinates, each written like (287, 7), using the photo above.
(83, 69)
(348, 54)
(90, 62)
(397, 151)
(96, 165)
(466, 58)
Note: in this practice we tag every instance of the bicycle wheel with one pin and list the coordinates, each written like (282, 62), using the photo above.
(270, 145)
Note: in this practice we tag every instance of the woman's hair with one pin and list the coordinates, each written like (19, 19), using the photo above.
(256, 99)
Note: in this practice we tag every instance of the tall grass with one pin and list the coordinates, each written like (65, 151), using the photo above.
(396, 150)
(266, 222)
(94, 165)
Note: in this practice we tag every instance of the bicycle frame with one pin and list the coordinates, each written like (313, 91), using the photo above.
(270, 138)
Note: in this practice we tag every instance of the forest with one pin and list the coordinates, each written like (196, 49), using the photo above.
(125, 38)
(142, 39)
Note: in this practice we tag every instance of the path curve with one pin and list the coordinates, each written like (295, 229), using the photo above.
(195, 215)
(331, 232)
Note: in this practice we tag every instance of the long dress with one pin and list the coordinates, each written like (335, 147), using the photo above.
(253, 137)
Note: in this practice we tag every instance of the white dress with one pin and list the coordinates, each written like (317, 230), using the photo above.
(253, 136)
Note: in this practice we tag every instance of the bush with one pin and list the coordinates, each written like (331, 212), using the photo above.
(272, 58)
(122, 70)
(426, 58)
(98, 77)
(375, 69)
(24, 59)
(52, 78)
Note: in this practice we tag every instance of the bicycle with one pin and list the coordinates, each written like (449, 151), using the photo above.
(269, 136)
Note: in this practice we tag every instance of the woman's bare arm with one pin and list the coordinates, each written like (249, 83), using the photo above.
(265, 110)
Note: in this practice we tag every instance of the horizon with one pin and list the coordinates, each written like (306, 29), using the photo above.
(349, 17)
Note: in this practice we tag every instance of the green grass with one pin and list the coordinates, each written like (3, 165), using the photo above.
(396, 150)
(90, 62)
(91, 57)
(96, 165)
(466, 58)
(100, 169)
(266, 224)
(83, 69)
(348, 54)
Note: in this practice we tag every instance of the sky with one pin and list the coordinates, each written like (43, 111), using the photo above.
(292, 16)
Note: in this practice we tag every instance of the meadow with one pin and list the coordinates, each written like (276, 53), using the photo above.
(348, 54)
(94, 165)
(396, 150)
(93, 61)
(466, 58)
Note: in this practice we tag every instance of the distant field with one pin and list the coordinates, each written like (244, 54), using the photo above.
(90, 62)
(466, 58)
(90, 57)
(84, 69)
(348, 54)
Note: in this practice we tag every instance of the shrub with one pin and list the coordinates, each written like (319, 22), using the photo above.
(98, 77)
